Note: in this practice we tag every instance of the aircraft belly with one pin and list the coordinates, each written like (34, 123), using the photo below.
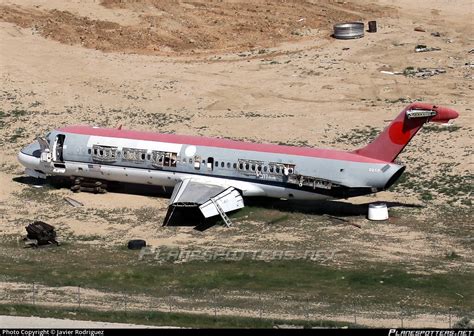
(169, 179)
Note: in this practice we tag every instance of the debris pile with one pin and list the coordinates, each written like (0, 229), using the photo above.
(40, 233)
(88, 185)
(73, 202)
(422, 72)
(424, 48)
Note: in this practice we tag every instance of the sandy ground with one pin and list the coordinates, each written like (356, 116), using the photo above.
(312, 91)
(71, 62)
(32, 322)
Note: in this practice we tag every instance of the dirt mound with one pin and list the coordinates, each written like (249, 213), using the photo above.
(188, 26)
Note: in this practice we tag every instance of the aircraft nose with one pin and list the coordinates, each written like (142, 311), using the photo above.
(32, 149)
(29, 157)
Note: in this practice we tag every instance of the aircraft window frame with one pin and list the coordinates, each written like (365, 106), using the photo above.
(103, 153)
(133, 154)
(164, 159)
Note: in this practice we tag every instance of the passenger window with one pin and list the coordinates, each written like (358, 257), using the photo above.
(228, 164)
(265, 168)
(222, 164)
(235, 165)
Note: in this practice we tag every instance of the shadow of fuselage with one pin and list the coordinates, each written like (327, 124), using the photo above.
(191, 216)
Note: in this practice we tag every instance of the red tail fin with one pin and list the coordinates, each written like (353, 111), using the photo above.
(403, 128)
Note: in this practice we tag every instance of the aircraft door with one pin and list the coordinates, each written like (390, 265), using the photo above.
(58, 148)
(210, 163)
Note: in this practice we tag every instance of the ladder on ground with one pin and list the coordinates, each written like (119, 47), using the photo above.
(221, 212)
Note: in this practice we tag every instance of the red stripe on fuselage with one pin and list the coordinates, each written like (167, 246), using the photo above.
(219, 143)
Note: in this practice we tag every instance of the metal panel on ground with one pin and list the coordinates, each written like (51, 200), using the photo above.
(228, 200)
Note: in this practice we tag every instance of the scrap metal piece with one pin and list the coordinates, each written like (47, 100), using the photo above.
(424, 48)
(73, 202)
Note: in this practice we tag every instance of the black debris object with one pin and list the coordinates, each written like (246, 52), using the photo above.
(372, 27)
(136, 244)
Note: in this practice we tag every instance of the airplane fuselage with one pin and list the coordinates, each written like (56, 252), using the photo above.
(165, 159)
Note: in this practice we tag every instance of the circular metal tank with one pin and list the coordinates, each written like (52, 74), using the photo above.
(378, 211)
(348, 30)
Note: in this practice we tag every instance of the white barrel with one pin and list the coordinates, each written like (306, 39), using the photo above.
(378, 211)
